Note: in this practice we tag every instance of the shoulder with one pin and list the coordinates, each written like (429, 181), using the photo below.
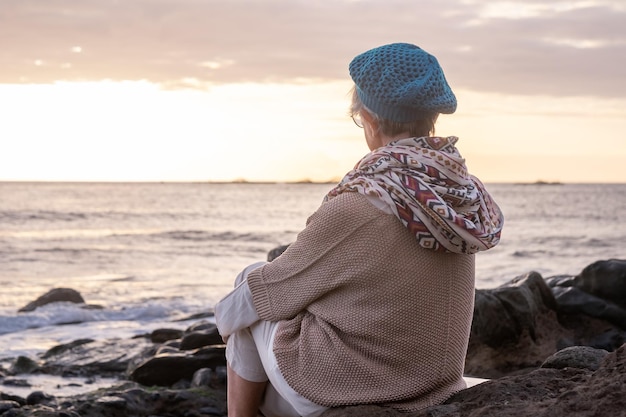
(348, 207)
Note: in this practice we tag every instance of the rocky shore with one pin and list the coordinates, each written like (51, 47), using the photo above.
(549, 346)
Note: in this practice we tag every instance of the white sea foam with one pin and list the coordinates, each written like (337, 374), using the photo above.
(32, 333)
(69, 313)
(55, 385)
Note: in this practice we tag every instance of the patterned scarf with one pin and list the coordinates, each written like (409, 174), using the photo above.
(425, 183)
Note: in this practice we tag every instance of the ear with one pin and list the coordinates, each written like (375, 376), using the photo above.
(367, 117)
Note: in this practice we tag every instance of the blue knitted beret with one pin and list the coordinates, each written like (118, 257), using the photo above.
(401, 82)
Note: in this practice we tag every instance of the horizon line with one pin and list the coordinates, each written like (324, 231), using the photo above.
(298, 182)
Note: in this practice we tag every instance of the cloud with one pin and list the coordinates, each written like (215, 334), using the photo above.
(560, 48)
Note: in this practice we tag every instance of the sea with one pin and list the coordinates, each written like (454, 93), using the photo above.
(151, 255)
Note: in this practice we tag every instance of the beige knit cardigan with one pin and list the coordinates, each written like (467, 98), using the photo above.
(366, 314)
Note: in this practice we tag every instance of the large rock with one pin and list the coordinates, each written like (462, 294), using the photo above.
(200, 334)
(164, 335)
(544, 392)
(55, 295)
(200, 347)
(592, 304)
(582, 357)
(515, 328)
(23, 365)
(86, 357)
(605, 279)
(128, 400)
(168, 369)
(599, 291)
(518, 325)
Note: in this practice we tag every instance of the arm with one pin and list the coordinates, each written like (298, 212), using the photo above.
(236, 311)
(318, 262)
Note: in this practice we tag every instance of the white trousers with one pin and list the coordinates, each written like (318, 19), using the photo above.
(249, 353)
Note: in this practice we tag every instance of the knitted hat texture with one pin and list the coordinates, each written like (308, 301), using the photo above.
(401, 82)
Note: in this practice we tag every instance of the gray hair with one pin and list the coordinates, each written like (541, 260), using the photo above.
(415, 128)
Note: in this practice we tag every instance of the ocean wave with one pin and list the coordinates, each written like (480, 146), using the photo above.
(50, 217)
(529, 253)
(78, 233)
(71, 251)
(192, 235)
(597, 243)
(558, 239)
(203, 235)
(123, 279)
(57, 314)
(27, 216)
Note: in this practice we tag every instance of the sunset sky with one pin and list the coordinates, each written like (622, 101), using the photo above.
(203, 90)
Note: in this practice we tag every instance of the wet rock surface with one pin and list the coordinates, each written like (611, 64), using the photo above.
(519, 324)
(129, 399)
(543, 392)
(551, 346)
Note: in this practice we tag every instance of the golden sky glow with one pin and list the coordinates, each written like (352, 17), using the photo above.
(258, 90)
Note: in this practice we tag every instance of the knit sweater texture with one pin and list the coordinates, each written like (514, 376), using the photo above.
(367, 316)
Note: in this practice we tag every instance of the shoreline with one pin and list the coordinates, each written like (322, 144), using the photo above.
(559, 342)
(270, 182)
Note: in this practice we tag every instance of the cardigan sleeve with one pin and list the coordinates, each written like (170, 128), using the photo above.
(318, 261)
(236, 311)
